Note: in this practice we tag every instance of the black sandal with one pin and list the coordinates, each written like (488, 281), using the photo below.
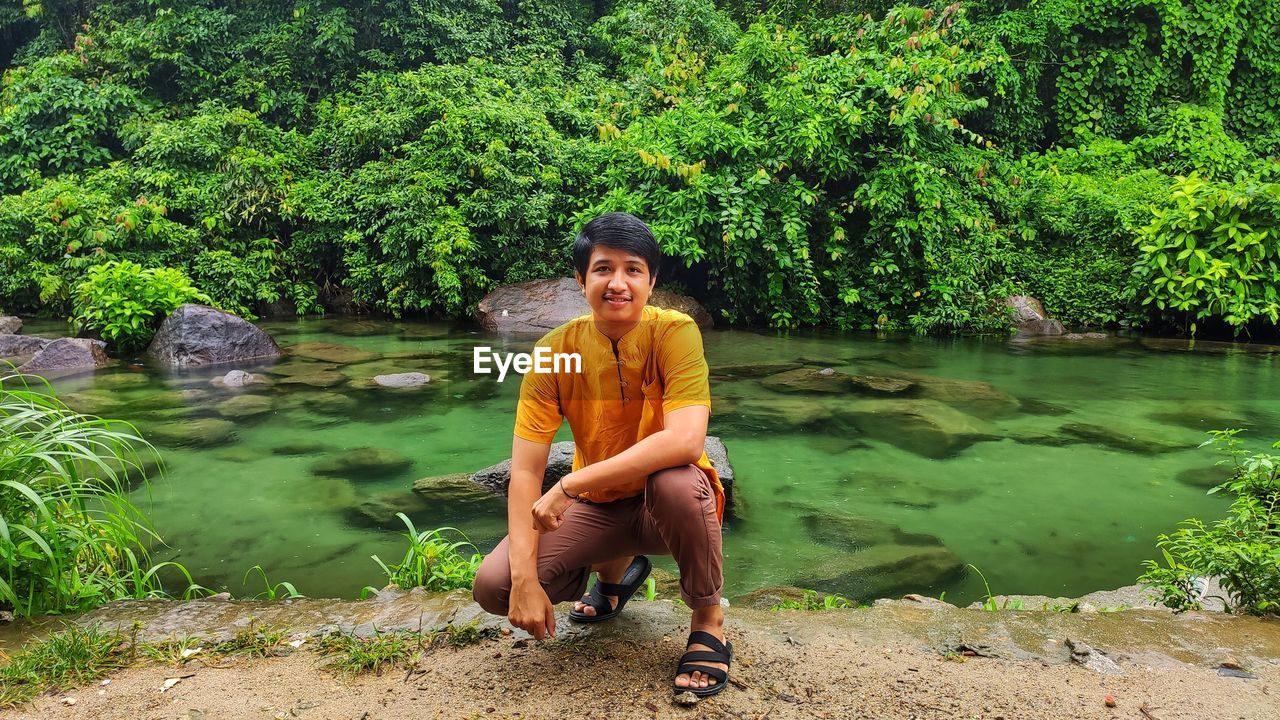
(637, 572)
(720, 652)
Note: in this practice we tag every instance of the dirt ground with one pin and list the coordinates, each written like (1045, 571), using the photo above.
(886, 662)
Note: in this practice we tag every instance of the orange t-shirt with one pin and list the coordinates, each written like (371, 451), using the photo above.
(618, 399)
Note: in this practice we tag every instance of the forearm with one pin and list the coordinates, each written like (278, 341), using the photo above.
(661, 450)
(522, 492)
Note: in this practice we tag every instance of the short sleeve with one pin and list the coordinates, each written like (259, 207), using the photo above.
(538, 415)
(683, 367)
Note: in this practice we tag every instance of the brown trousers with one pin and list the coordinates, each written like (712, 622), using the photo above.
(675, 516)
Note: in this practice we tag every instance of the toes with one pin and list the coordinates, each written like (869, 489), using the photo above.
(682, 681)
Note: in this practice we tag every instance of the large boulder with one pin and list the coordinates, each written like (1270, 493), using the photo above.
(196, 335)
(12, 346)
(10, 325)
(495, 478)
(538, 306)
(67, 356)
(1029, 317)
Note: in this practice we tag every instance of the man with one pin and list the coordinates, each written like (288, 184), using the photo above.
(641, 483)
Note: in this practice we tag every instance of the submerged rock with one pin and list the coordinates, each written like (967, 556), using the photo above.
(1140, 440)
(13, 346)
(1203, 415)
(925, 427)
(331, 352)
(450, 490)
(921, 493)
(363, 463)
(319, 380)
(196, 335)
(752, 370)
(380, 510)
(243, 406)
(1205, 477)
(829, 381)
(538, 306)
(972, 396)
(67, 356)
(775, 415)
(856, 533)
(198, 432)
(767, 597)
(239, 378)
(883, 570)
(300, 448)
(402, 380)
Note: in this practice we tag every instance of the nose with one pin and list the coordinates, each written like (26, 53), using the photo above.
(618, 282)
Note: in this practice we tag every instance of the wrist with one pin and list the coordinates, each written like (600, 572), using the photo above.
(565, 490)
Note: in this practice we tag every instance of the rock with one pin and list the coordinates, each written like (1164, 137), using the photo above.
(1068, 344)
(924, 601)
(12, 346)
(402, 380)
(363, 463)
(971, 396)
(828, 381)
(882, 571)
(751, 370)
(121, 380)
(1034, 406)
(767, 597)
(1205, 346)
(1205, 477)
(199, 432)
(300, 448)
(10, 325)
(319, 380)
(1204, 415)
(291, 368)
(1082, 654)
(67, 356)
(196, 335)
(912, 491)
(380, 510)
(237, 379)
(495, 478)
(1029, 317)
(855, 533)
(243, 406)
(775, 415)
(331, 352)
(718, 454)
(925, 427)
(451, 490)
(538, 306)
(1130, 439)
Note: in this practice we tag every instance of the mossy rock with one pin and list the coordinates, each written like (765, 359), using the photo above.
(827, 381)
(326, 379)
(198, 432)
(380, 510)
(243, 406)
(919, 493)
(1205, 477)
(119, 380)
(767, 597)
(882, 571)
(331, 352)
(300, 448)
(853, 534)
(925, 427)
(745, 371)
(1141, 440)
(1203, 416)
(363, 463)
(293, 368)
(452, 489)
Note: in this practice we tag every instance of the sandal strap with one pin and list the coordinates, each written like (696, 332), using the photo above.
(613, 589)
(597, 600)
(706, 638)
(689, 668)
(704, 655)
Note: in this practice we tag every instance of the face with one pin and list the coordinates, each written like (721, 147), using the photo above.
(617, 284)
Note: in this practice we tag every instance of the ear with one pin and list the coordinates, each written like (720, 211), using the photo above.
(582, 284)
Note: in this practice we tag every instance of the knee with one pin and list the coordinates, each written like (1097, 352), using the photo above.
(492, 587)
(677, 489)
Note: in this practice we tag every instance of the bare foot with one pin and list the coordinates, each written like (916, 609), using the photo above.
(610, 572)
(709, 620)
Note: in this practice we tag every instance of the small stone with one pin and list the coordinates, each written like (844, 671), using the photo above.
(402, 380)
(686, 698)
(1109, 700)
(1230, 663)
(827, 371)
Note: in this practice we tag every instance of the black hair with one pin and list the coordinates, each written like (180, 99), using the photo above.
(620, 230)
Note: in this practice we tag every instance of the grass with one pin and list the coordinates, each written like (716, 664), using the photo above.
(989, 601)
(256, 640)
(432, 562)
(350, 655)
(813, 600)
(70, 538)
(66, 659)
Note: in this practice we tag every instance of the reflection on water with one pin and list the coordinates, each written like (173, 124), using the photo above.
(864, 465)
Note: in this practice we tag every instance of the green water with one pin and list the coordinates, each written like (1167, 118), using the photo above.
(1053, 519)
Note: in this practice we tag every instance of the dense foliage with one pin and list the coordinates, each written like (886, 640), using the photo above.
(1242, 551)
(124, 303)
(849, 163)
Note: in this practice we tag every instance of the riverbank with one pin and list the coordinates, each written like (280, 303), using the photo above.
(900, 659)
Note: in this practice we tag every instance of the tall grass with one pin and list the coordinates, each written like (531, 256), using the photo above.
(432, 561)
(70, 538)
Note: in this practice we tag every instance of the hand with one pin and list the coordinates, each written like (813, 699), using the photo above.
(531, 610)
(548, 511)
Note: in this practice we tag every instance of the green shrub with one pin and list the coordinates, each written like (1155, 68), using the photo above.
(1211, 252)
(70, 538)
(432, 561)
(63, 660)
(1242, 550)
(125, 303)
